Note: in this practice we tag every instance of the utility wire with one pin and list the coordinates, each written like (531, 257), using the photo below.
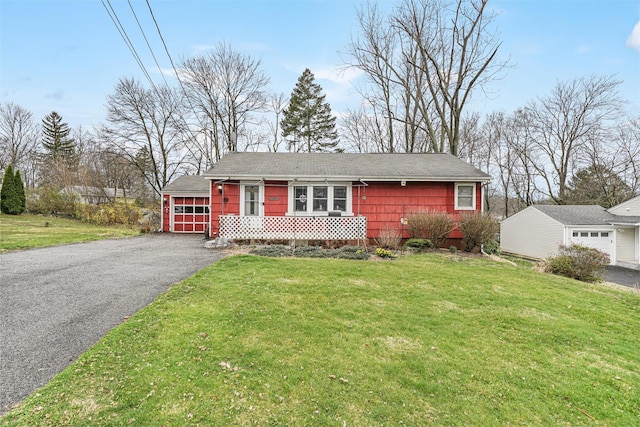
(127, 40)
(147, 42)
(184, 91)
(123, 33)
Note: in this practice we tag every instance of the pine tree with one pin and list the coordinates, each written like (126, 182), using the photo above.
(19, 186)
(55, 138)
(9, 198)
(599, 185)
(307, 121)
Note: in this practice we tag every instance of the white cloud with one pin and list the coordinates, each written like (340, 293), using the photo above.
(338, 75)
(337, 84)
(634, 39)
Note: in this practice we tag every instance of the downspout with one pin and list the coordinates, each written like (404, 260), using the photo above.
(364, 241)
(294, 211)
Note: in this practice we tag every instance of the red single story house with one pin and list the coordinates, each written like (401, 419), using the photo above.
(320, 196)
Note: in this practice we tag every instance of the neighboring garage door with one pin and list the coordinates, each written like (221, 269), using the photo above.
(190, 214)
(600, 240)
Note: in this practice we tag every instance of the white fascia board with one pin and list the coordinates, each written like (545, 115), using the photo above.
(347, 178)
(605, 227)
(187, 194)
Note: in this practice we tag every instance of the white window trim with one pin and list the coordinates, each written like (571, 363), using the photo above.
(473, 197)
(310, 211)
(260, 197)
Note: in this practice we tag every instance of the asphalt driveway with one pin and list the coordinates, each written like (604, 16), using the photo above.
(57, 302)
(622, 276)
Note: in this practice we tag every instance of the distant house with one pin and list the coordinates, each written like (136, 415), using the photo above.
(94, 195)
(320, 196)
(538, 230)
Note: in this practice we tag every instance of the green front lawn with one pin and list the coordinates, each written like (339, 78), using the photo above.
(36, 231)
(425, 339)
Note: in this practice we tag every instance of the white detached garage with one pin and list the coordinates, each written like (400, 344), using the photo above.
(538, 230)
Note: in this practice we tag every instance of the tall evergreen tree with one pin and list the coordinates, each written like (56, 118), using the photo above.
(55, 138)
(307, 121)
(9, 197)
(19, 186)
(599, 185)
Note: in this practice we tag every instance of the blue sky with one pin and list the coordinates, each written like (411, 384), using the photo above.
(67, 55)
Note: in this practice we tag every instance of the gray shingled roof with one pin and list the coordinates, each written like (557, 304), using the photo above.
(577, 214)
(619, 219)
(346, 166)
(188, 184)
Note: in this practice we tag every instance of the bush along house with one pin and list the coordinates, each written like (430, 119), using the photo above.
(323, 196)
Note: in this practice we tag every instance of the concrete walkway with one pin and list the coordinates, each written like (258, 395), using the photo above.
(57, 302)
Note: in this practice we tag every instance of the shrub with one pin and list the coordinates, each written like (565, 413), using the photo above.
(477, 229)
(345, 252)
(351, 252)
(22, 198)
(578, 262)
(384, 253)
(312, 252)
(561, 265)
(12, 193)
(491, 247)
(108, 213)
(273, 251)
(453, 249)
(418, 244)
(435, 226)
(49, 200)
(389, 237)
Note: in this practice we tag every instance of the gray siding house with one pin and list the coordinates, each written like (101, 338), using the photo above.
(538, 230)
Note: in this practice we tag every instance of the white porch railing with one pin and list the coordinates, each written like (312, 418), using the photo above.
(236, 227)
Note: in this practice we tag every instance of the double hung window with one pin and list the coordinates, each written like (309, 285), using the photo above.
(465, 196)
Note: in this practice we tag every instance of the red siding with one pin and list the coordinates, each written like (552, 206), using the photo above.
(386, 203)
(166, 212)
(223, 204)
(383, 203)
(275, 198)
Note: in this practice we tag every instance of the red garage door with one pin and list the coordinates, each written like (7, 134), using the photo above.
(190, 214)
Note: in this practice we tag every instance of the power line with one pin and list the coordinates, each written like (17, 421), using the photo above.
(127, 40)
(123, 33)
(147, 42)
(175, 71)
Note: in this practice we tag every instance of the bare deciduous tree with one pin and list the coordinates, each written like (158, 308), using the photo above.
(562, 124)
(278, 105)
(19, 140)
(228, 88)
(624, 154)
(144, 126)
(423, 63)
(363, 132)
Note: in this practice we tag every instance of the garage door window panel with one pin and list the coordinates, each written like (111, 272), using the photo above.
(190, 214)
